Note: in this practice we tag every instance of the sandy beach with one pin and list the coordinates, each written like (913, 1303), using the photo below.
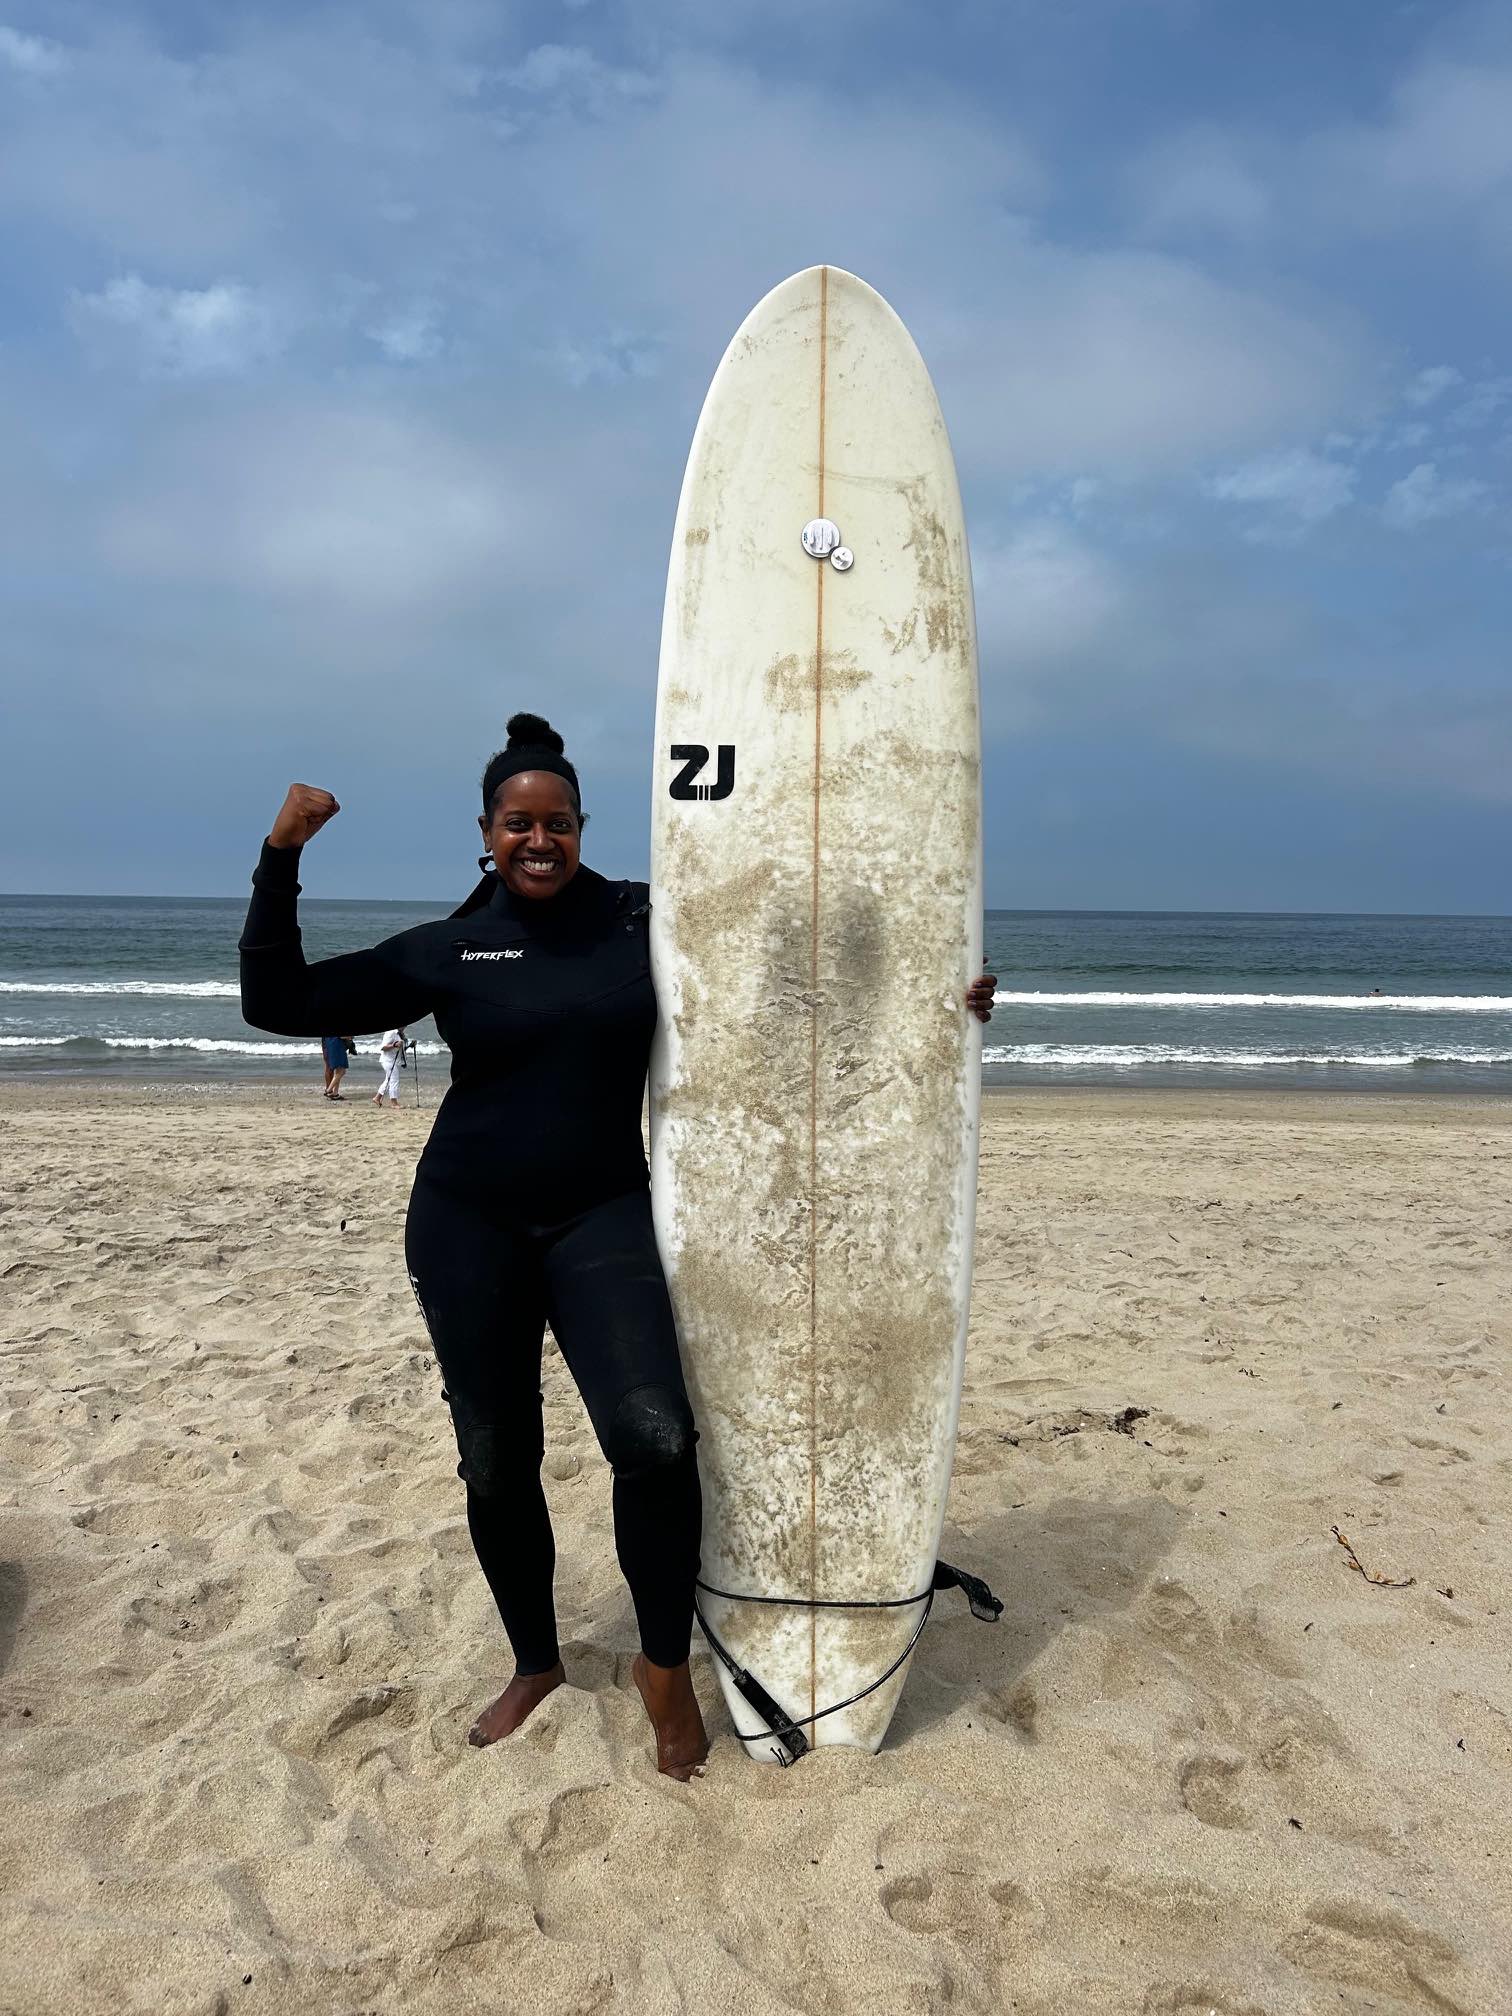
(1202, 1765)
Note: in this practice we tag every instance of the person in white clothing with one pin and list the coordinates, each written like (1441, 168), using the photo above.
(390, 1055)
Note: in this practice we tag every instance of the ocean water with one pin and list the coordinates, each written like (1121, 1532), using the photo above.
(1190, 998)
(147, 986)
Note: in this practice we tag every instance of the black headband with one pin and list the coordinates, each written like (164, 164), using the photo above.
(510, 762)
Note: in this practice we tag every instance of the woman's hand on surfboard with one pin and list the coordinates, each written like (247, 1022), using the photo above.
(303, 812)
(979, 996)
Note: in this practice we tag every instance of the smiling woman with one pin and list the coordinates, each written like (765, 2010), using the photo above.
(541, 985)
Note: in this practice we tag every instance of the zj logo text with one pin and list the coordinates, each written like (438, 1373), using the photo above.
(693, 756)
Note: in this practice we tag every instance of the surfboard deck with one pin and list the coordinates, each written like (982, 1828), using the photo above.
(816, 920)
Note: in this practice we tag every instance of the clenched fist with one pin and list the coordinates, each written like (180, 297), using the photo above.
(302, 814)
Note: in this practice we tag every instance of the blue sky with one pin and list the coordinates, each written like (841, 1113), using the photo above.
(349, 356)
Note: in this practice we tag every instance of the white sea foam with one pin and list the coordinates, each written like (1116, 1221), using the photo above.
(1420, 1004)
(168, 990)
(308, 1048)
(1133, 1056)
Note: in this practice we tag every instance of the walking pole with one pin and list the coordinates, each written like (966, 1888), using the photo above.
(415, 1054)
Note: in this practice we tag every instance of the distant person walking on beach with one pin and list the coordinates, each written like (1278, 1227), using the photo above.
(335, 1051)
(531, 1202)
(390, 1058)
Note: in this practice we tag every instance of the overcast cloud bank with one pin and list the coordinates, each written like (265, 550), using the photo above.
(352, 356)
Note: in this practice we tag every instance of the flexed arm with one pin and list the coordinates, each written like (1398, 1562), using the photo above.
(279, 991)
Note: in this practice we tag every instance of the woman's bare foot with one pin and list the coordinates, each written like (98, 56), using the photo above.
(502, 1717)
(667, 1691)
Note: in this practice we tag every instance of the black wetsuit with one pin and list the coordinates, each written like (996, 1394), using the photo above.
(530, 1205)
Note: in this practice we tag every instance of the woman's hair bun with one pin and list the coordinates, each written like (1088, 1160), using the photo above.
(529, 731)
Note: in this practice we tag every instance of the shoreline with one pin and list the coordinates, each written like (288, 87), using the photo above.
(30, 1090)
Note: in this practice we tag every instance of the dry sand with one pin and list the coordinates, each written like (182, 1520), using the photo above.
(1200, 1765)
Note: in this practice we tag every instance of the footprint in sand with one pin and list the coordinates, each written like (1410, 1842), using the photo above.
(588, 1666)
(1298, 1739)
(393, 1701)
(1016, 1705)
(567, 1853)
(1174, 1903)
(158, 1465)
(907, 1901)
(580, 1821)
(1383, 1951)
(1210, 1790)
(188, 1610)
(1172, 1614)
(1196, 1998)
(1251, 1637)
(972, 1910)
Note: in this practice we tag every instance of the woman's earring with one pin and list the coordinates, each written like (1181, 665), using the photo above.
(488, 864)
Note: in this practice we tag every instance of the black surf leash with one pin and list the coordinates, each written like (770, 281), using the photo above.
(788, 1729)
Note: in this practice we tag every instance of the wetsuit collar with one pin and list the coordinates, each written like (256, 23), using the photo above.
(578, 896)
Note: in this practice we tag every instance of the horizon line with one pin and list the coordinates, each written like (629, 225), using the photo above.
(988, 909)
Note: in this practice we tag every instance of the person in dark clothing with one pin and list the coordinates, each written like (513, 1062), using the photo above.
(333, 1051)
(531, 1201)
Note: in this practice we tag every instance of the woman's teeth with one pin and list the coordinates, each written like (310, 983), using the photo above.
(539, 867)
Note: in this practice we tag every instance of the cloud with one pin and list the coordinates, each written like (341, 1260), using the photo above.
(1297, 483)
(1082, 493)
(1197, 182)
(563, 74)
(609, 359)
(1485, 401)
(1045, 596)
(1430, 386)
(1135, 363)
(1441, 146)
(1423, 495)
(1190, 651)
(536, 197)
(1448, 133)
(356, 508)
(185, 332)
(31, 55)
(408, 335)
(1436, 152)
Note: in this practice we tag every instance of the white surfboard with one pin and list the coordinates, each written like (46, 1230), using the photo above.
(816, 920)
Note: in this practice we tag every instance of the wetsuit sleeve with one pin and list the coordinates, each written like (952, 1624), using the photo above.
(360, 991)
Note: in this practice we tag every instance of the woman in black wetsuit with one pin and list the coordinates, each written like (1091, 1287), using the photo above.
(531, 1200)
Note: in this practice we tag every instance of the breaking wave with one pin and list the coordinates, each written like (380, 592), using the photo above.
(85, 1045)
(1421, 1004)
(1132, 1056)
(167, 990)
